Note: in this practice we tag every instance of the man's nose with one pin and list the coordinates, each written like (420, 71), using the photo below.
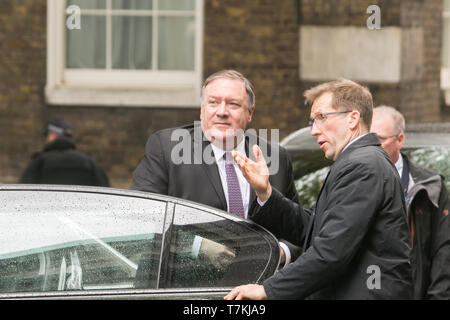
(314, 129)
(222, 109)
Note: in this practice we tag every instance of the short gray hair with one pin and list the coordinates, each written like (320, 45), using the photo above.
(398, 120)
(234, 75)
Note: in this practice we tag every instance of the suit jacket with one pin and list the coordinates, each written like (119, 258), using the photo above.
(194, 179)
(356, 238)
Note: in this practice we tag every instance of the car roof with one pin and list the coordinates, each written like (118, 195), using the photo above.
(416, 136)
(120, 192)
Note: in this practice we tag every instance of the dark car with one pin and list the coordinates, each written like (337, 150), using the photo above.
(85, 242)
(425, 144)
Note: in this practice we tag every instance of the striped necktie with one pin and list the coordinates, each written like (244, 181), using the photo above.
(234, 191)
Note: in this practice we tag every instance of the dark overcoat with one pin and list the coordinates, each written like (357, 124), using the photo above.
(356, 239)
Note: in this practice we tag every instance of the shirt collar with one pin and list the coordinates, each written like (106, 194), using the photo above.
(354, 140)
(399, 165)
(218, 152)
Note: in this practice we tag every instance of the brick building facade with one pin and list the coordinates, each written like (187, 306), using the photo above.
(260, 38)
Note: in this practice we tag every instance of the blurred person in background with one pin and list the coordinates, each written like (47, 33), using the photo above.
(61, 163)
(427, 204)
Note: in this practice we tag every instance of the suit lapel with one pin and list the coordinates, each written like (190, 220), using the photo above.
(306, 244)
(211, 170)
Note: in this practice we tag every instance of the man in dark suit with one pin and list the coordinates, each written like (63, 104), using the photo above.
(356, 242)
(191, 162)
(427, 207)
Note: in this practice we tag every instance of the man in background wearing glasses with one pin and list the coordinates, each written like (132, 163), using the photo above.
(427, 204)
(356, 241)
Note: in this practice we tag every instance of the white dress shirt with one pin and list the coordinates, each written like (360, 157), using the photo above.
(399, 166)
(243, 184)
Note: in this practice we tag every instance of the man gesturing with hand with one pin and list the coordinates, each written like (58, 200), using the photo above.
(358, 223)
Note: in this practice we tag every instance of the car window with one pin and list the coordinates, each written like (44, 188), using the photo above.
(57, 241)
(210, 251)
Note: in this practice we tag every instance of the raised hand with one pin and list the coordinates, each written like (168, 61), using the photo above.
(256, 172)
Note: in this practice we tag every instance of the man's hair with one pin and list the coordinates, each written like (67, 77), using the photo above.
(398, 120)
(234, 75)
(347, 95)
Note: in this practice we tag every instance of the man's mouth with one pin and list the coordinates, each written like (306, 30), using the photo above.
(221, 125)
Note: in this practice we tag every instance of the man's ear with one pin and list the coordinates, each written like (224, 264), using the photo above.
(354, 119)
(250, 114)
(401, 139)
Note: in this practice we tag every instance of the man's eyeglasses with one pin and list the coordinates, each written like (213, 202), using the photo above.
(322, 116)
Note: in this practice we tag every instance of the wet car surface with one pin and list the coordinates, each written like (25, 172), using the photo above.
(73, 242)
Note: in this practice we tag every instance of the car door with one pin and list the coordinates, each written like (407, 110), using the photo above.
(82, 242)
(205, 249)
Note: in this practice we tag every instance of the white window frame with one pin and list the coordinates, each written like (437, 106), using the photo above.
(141, 88)
(445, 72)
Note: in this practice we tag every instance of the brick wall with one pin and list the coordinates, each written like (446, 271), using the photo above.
(22, 79)
(417, 95)
(115, 136)
(259, 38)
(420, 95)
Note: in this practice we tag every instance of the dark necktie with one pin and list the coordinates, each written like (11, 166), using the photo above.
(405, 178)
(234, 191)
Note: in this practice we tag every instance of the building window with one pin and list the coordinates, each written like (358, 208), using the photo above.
(125, 52)
(445, 71)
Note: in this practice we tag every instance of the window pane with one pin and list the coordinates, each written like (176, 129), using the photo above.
(88, 4)
(132, 4)
(78, 241)
(236, 254)
(176, 43)
(86, 47)
(132, 42)
(176, 4)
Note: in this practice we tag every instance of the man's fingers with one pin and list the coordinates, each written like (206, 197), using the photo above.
(233, 294)
(249, 291)
(258, 153)
(239, 158)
